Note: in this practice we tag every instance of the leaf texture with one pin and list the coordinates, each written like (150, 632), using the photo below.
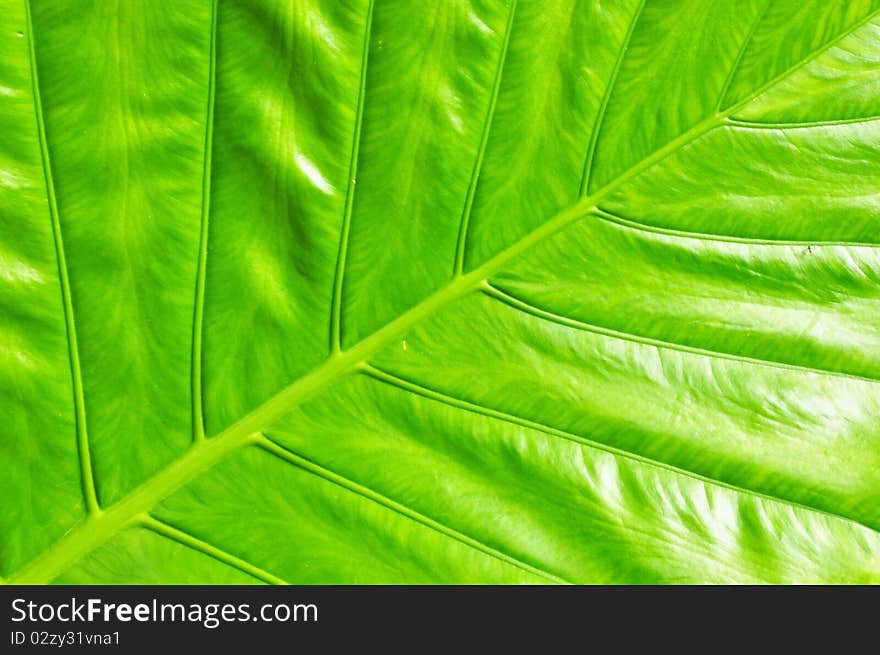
(466, 291)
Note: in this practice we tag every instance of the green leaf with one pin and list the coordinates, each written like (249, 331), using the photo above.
(454, 291)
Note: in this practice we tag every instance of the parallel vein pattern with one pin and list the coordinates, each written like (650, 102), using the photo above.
(393, 380)
(656, 363)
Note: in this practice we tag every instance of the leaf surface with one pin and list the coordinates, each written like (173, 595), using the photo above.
(477, 291)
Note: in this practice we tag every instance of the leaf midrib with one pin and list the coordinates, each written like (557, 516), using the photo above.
(103, 524)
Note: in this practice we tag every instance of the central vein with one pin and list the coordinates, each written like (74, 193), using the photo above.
(103, 524)
(205, 453)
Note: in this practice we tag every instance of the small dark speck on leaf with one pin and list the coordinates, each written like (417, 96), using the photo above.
(809, 250)
(20, 35)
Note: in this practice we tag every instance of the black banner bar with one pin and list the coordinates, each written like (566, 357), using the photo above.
(135, 619)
